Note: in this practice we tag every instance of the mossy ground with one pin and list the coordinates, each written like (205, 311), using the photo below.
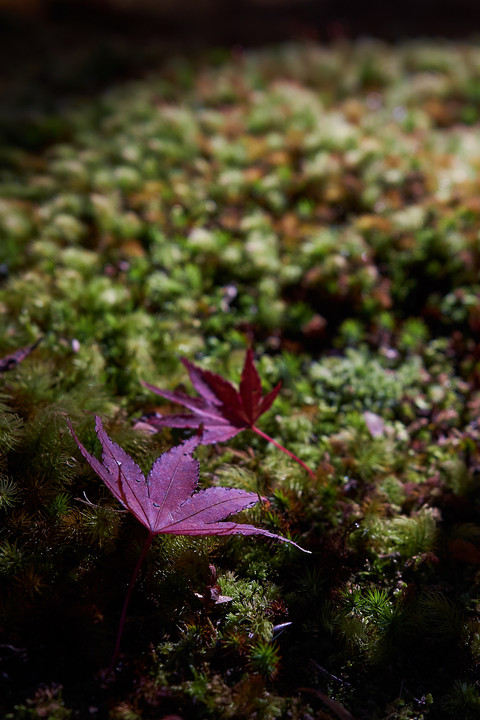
(322, 205)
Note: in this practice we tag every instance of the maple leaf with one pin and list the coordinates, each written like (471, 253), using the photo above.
(165, 501)
(221, 411)
(7, 362)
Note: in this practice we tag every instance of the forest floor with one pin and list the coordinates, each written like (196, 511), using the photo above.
(318, 203)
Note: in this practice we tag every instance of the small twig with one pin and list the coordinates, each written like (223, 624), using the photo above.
(329, 674)
(127, 599)
(119, 511)
(20, 652)
(284, 449)
(332, 704)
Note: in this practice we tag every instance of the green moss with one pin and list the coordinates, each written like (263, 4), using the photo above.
(319, 204)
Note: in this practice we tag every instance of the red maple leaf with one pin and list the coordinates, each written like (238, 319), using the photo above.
(221, 410)
(165, 501)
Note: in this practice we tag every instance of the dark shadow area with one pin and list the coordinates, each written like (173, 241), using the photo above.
(60, 47)
(207, 22)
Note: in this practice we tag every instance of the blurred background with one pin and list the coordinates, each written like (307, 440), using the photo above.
(51, 50)
(252, 21)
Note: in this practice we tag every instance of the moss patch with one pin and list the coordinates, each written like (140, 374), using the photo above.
(321, 205)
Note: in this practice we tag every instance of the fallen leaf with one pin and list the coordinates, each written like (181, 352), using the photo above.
(222, 410)
(166, 501)
(10, 361)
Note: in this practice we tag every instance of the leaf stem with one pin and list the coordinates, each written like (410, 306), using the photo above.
(123, 616)
(284, 449)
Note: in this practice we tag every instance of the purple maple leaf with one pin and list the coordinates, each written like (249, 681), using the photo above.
(165, 501)
(7, 362)
(221, 411)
